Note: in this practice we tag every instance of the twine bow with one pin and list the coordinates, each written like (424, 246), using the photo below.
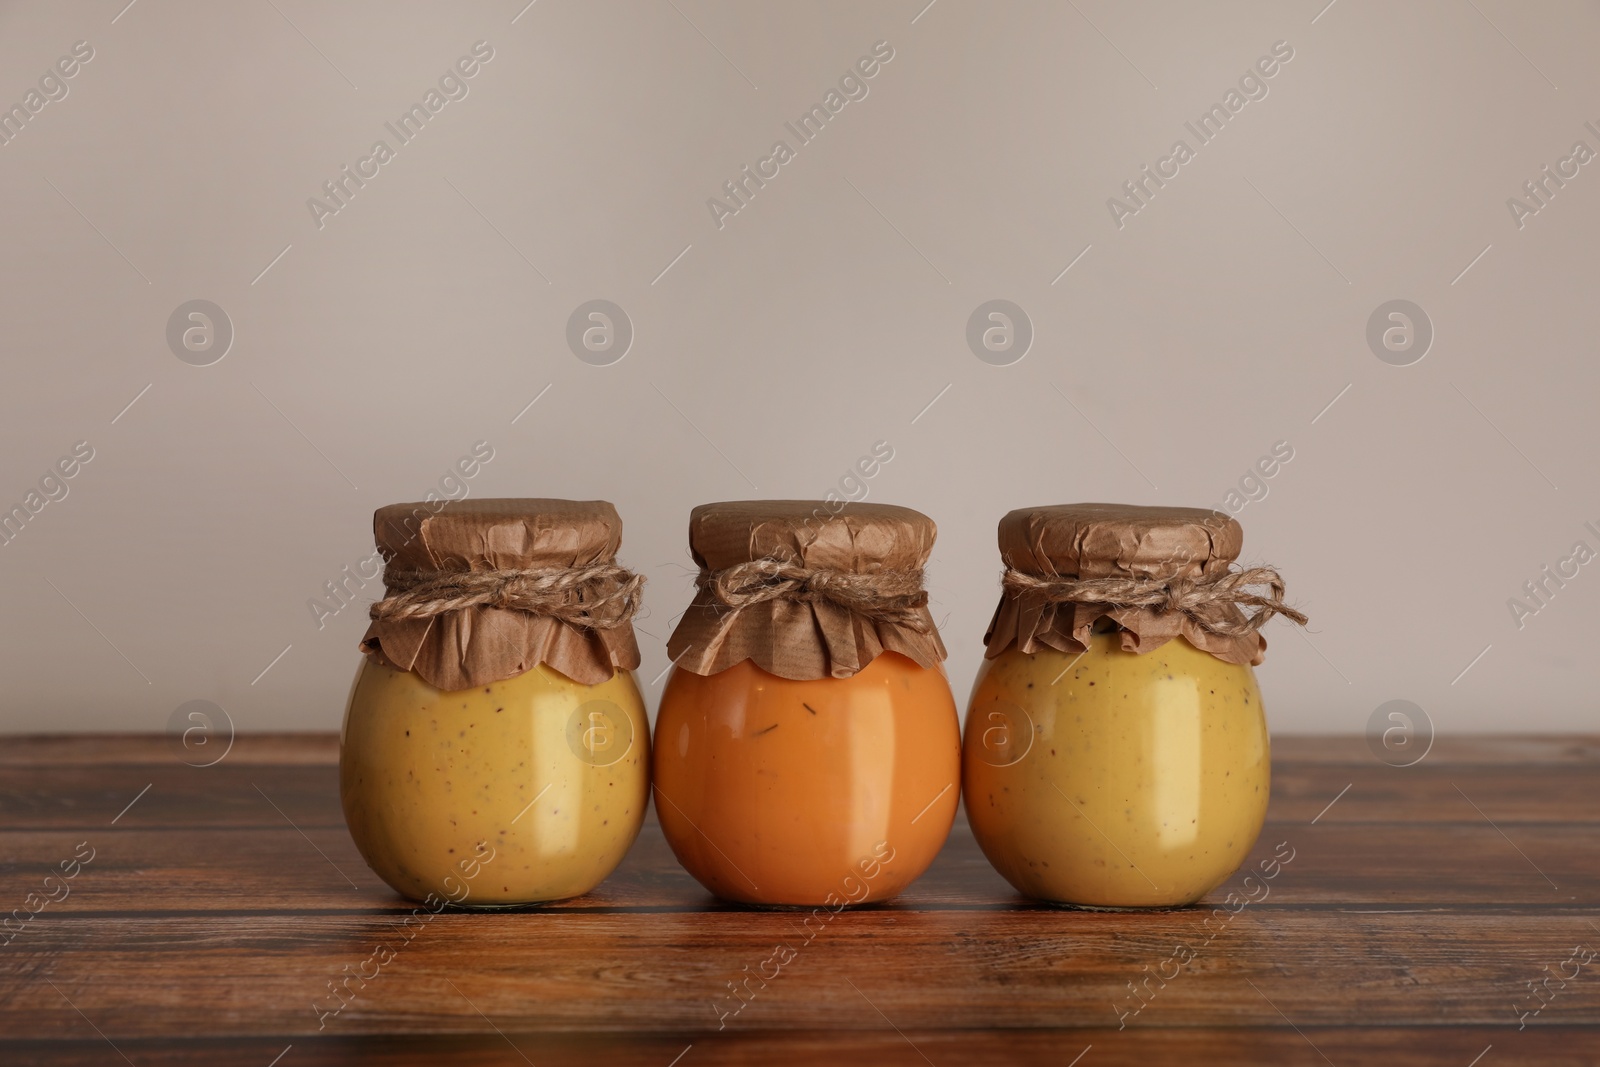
(1190, 596)
(598, 596)
(884, 596)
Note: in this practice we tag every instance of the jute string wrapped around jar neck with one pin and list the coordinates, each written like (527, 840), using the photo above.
(1188, 596)
(483, 590)
(1157, 573)
(884, 596)
(805, 589)
(596, 597)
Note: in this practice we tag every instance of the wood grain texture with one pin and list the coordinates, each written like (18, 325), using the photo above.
(217, 909)
(1550, 1046)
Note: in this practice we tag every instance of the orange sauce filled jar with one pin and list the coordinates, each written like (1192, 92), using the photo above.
(807, 750)
(496, 749)
(1116, 752)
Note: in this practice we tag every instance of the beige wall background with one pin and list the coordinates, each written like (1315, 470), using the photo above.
(372, 347)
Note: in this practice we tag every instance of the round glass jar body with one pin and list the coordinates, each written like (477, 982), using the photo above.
(519, 791)
(1113, 779)
(805, 793)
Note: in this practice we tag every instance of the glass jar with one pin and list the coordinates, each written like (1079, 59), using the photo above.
(1116, 752)
(807, 749)
(495, 748)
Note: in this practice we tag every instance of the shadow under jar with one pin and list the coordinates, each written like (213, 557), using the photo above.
(496, 750)
(1116, 751)
(808, 751)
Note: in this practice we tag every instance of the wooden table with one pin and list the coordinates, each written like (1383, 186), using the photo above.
(1417, 908)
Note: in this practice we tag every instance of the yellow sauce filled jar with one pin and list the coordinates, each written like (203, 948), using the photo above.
(808, 751)
(1116, 752)
(495, 749)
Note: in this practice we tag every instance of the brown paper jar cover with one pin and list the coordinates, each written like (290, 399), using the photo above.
(1122, 541)
(480, 645)
(793, 639)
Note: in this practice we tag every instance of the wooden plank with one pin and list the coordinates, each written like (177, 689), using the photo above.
(1518, 750)
(1354, 865)
(1435, 793)
(235, 795)
(238, 794)
(77, 750)
(670, 971)
(1434, 1046)
(1419, 904)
